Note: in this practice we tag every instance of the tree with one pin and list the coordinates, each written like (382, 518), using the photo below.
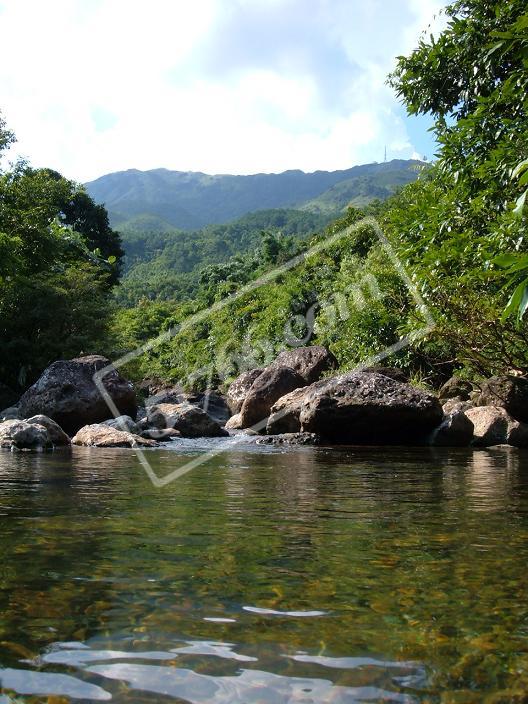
(469, 209)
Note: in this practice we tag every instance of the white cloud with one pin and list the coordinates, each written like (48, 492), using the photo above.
(92, 86)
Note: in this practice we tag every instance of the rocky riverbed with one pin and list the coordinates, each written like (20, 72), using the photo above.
(297, 399)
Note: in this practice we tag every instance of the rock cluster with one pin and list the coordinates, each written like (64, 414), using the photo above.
(293, 401)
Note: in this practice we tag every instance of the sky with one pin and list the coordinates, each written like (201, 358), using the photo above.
(219, 86)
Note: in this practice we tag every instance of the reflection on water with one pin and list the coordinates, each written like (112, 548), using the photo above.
(265, 575)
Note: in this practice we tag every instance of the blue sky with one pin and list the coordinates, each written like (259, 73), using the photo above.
(220, 86)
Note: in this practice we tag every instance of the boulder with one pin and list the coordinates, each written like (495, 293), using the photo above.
(234, 423)
(66, 392)
(189, 420)
(508, 392)
(123, 423)
(11, 413)
(21, 435)
(456, 430)
(289, 439)
(452, 405)
(494, 426)
(100, 435)
(239, 389)
(160, 435)
(455, 388)
(309, 362)
(369, 408)
(211, 402)
(285, 413)
(57, 435)
(271, 385)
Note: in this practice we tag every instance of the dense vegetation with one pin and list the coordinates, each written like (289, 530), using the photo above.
(161, 200)
(58, 261)
(459, 231)
(167, 265)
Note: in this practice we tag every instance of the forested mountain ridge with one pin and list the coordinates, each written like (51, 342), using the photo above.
(161, 199)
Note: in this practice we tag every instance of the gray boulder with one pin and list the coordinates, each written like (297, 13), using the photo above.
(494, 426)
(456, 430)
(211, 402)
(369, 408)
(239, 389)
(309, 362)
(285, 413)
(66, 392)
(508, 392)
(189, 420)
(57, 435)
(21, 435)
(123, 423)
(234, 423)
(271, 385)
(453, 405)
(100, 435)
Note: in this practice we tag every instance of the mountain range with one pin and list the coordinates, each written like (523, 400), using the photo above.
(162, 200)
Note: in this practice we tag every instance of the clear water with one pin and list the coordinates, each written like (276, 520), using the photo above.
(266, 575)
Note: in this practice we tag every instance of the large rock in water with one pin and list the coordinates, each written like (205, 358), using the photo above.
(456, 430)
(309, 362)
(239, 389)
(494, 426)
(21, 435)
(189, 420)
(369, 408)
(273, 383)
(508, 392)
(100, 435)
(66, 392)
(57, 435)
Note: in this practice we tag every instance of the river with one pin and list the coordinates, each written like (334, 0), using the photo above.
(265, 575)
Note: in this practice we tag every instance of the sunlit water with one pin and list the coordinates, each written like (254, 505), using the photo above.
(265, 575)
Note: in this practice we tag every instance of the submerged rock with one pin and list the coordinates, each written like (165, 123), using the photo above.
(239, 389)
(494, 426)
(289, 439)
(66, 392)
(508, 392)
(271, 385)
(190, 421)
(21, 435)
(369, 408)
(100, 435)
(309, 362)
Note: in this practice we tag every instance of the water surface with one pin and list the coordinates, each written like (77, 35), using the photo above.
(266, 575)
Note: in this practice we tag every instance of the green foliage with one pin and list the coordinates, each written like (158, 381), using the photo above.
(58, 260)
(167, 266)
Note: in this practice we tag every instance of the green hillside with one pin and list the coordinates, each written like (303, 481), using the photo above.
(190, 201)
(166, 265)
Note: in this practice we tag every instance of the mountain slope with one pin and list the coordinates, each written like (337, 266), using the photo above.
(189, 200)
